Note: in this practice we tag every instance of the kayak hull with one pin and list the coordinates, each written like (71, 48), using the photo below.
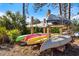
(55, 42)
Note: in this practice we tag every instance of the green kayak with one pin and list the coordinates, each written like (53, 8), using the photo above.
(19, 38)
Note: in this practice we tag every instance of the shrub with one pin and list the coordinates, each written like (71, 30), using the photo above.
(3, 35)
(55, 30)
(76, 29)
(2, 30)
(28, 30)
(38, 30)
(13, 34)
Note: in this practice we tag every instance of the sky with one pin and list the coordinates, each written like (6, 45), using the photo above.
(17, 7)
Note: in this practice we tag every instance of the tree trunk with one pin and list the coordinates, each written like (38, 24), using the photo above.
(24, 20)
(60, 9)
(24, 11)
(64, 10)
(69, 10)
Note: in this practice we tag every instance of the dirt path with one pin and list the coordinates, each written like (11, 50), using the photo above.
(34, 51)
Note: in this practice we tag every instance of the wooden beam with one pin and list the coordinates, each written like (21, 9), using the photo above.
(60, 29)
(59, 26)
(48, 32)
(32, 29)
(44, 28)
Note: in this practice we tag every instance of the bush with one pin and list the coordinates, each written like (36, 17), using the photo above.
(76, 29)
(2, 30)
(55, 30)
(3, 35)
(13, 34)
(28, 30)
(38, 30)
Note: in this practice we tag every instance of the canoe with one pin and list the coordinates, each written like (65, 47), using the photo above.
(54, 42)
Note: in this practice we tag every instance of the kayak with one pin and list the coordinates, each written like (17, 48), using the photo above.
(19, 38)
(54, 42)
(76, 34)
(35, 38)
(31, 39)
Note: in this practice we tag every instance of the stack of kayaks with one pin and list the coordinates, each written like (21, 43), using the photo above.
(32, 38)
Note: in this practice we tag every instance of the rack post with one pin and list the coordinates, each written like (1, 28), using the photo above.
(44, 28)
(32, 29)
(48, 32)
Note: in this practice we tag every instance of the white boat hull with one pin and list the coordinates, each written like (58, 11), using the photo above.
(55, 42)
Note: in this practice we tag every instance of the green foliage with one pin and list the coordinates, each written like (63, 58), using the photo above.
(75, 22)
(13, 34)
(2, 30)
(36, 21)
(76, 29)
(38, 6)
(13, 21)
(10, 23)
(38, 30)
(28, 30)
(5, 22)
(55, 30)
(2, 34)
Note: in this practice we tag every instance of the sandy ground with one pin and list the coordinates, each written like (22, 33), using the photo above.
(14, 50)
